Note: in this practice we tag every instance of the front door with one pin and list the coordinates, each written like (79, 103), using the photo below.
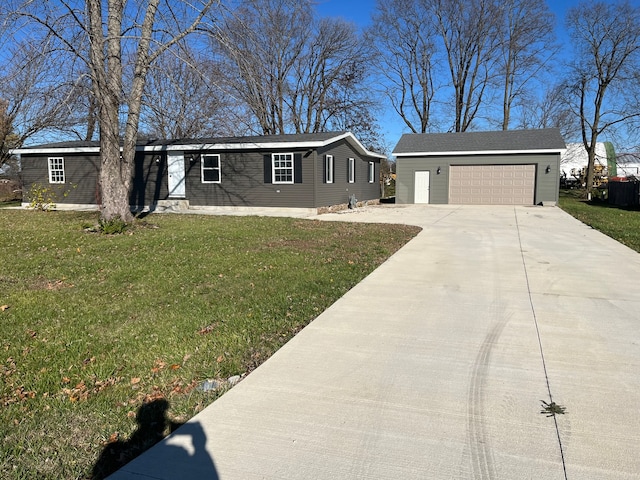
(421, 185)
(175, 167)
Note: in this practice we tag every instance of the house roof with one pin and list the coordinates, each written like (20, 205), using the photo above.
(477, 143)
(302, 140)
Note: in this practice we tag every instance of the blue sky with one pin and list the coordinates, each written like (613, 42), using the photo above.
(359, 12)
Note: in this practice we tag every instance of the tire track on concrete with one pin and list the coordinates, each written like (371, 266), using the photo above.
(478, 438)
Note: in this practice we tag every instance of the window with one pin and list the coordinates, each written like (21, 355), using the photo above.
(282, 167)
(372, 172)
(328, 169)
(351, 173)
(56, 170)
(210, 166)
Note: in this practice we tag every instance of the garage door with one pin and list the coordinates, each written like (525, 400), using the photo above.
(492, 184)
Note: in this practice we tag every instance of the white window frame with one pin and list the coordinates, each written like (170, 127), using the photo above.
(282, 164)
(372, 172)
(56, 169)
(203, 168)
(328, 169)
(351, 172)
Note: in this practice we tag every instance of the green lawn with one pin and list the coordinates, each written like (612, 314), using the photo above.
(621, 224)
(94, 326)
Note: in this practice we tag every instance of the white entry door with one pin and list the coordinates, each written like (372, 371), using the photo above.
(175, 168)
(421, 185)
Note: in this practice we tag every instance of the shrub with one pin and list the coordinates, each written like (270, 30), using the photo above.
(42, 197)
(113, 226)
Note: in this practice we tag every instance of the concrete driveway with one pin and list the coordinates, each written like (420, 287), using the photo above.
(439, 364)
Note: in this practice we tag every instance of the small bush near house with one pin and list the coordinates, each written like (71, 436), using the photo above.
(96, 326)
(44, 197)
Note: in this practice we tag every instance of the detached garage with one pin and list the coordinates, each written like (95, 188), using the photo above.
(514, 167)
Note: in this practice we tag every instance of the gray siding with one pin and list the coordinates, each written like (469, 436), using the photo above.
(81, 177)
(245, 178)
(149, 180)
(338, 192)
(243, 182)
(547, 184)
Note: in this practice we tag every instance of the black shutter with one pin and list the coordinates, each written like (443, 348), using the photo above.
(297, 168)
(268, 177)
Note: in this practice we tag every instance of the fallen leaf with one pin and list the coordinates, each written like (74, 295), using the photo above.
(114, 437)
(4, 307)
(175, 366)
(220, 359)
(205, 330)
(135, 380)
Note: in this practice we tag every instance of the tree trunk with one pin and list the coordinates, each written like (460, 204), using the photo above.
(115, 171)
(114, 187)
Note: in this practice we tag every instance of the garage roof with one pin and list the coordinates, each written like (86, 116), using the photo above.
(546, 140)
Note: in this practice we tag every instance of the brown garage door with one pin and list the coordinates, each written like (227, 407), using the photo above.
(492, 184)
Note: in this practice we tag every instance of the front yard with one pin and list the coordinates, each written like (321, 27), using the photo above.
(94, 326)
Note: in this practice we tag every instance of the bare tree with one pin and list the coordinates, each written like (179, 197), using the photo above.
(402, 35)
(105, 36)
(525, 48)
(35, 98)
(607, 41)
(261, 42)
(327, 78)
(469, 32)
(182, 99)
(350, 107)
(552, 110)
(293, 72)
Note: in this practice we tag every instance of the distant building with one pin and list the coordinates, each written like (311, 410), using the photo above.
(628, 165)
(573, 162)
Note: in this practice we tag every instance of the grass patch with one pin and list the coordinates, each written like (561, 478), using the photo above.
(94, 326)
(621, 224)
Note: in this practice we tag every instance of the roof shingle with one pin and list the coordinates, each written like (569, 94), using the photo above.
(477, 142)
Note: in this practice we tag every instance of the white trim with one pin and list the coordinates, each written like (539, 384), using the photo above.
(351, 170)
(479, 152)
(57, 171)
(218, 168)
(273, 169)
(372, 172)
(211, 146)
(270, 145)
(53, 150)
(328, 169)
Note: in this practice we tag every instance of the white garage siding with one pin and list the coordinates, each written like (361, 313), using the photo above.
(492, 184)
